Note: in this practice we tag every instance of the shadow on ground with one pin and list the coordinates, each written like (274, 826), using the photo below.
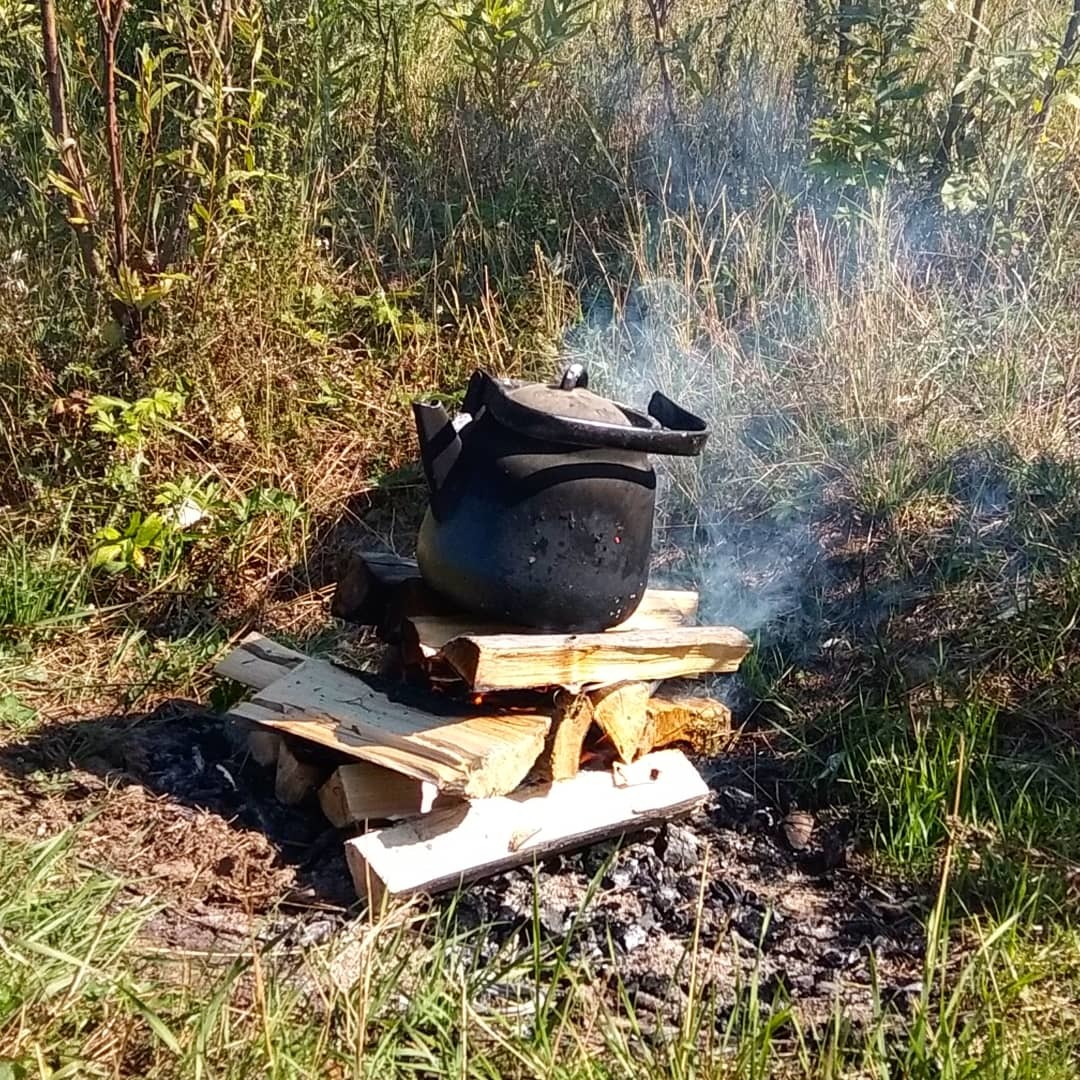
(172, 799)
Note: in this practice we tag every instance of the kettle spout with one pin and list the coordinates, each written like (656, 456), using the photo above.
(439, 443)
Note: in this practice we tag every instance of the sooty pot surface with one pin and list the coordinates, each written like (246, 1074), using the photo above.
(542, 500)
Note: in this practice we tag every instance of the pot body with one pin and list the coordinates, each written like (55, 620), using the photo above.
(540, 533)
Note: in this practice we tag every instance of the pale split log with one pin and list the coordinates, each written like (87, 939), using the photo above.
(263, 745)
(621, 714)
(361, 792)
(426, 633)
(482, 753)
(445, 849)
(257, 662)
(663, 607)
(570, 725)
(294, 778)
(701, 723)
(519, 661)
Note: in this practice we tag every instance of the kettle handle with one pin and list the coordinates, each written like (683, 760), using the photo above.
(667, 429)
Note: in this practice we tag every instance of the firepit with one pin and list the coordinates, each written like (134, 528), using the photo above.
(522, 645)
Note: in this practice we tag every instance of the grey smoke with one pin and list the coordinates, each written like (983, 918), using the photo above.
(751, 572)
(758, 580)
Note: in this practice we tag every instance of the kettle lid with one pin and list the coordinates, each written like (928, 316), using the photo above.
(568, 413)
(570, 399)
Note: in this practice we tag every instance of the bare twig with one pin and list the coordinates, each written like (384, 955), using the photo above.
(660, 10)
(957, 116)
(81, 204)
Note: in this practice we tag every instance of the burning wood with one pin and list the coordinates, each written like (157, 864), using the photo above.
(563, 754)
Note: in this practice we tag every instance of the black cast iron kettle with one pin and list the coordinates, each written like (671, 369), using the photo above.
(542, 499)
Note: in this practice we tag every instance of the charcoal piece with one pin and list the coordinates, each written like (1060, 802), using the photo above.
(688, 887)
(801, 985)
(679, 847)
(594, 858)
(666, 899)
(617, 878)
(553, 919)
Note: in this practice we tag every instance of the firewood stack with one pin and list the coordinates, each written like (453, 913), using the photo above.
(484, 746)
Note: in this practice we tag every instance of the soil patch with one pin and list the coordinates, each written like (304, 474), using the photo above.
(172, 803)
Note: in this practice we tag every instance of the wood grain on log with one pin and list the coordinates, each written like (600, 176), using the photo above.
(427, 633)
(257, 661)
(294, 778)
(621, 714)
(518, 661)
(479, 754)
(573, 717)
(445, 849)
(360, 792)
(703, 724)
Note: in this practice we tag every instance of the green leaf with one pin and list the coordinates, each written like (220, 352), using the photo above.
(151, 533)
(107, 557)
(16, 715)
(904, 93)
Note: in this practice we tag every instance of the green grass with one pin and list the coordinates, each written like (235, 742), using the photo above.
(408, 997)
(41, 584)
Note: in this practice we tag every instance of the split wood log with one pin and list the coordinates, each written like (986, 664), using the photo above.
(570, 725)
(360, 792)
(427, 633)
(518, 661)
(703, 724)
(295, 779)
(383, 591)
(445, 849)
(474, 755)
(257, 661)
(264, 745)
(365, 581)
(621, 714)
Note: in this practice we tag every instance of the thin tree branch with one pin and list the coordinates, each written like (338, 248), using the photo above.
(82, 209)
(110, 15)
(1064, 58)
(957, 112)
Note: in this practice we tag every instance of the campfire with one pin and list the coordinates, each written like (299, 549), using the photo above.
(519, 710)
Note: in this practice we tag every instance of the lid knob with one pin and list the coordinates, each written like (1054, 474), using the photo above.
(574, 377)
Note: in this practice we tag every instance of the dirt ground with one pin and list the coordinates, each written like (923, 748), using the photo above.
(171, 802)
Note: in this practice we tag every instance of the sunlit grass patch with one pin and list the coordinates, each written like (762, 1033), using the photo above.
(42, 583)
